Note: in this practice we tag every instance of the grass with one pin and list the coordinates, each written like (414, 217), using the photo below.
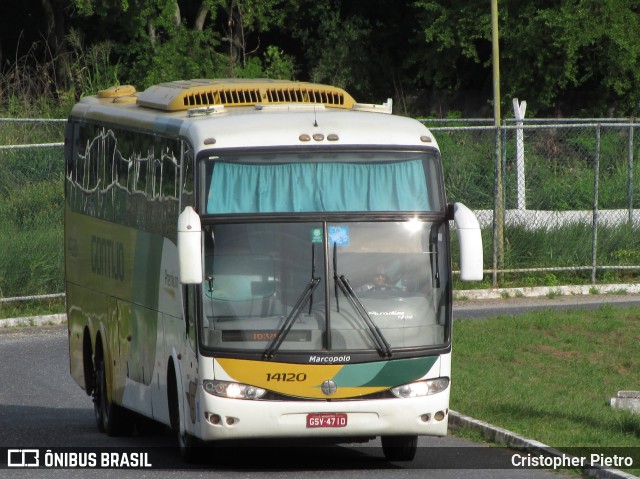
(21, 309)
(31, 261)
(549, 375)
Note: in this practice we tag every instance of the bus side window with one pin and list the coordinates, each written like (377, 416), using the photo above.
(190, 313)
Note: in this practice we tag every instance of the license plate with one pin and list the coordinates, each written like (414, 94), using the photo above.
(327, 420)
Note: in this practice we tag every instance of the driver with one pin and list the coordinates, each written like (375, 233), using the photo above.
(379, 282)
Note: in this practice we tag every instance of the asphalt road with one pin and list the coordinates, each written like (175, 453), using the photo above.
(41, 407)
(482, 308)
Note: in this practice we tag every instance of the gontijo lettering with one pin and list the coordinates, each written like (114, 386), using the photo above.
(107, 258)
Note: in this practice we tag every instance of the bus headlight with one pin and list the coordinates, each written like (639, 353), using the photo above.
(232, 390)
(421, 388)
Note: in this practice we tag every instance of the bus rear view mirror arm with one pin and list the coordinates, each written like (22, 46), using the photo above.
(468, 228)
(190, 247)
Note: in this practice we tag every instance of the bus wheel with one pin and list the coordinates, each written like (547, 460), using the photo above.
(98, 394)
(187, 444)
(110, 418)
(399, 448)
(189, 450)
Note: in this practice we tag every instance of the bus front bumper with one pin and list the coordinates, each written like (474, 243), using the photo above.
(222, 418)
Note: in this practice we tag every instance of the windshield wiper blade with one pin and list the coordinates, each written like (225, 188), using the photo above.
(383, 346)
(335, 274)
(293, 315)
(313, 274)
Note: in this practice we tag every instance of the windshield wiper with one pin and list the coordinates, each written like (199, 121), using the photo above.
(382, 345)
(293, 315)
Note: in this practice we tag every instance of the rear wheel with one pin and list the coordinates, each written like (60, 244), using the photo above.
(399, 448)
(110, 418)
(98, 394)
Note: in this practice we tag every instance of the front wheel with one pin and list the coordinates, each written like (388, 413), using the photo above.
(399, 448)
(188, 445)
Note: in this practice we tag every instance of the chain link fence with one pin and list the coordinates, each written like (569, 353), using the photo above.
(31, 208)
(557, 205)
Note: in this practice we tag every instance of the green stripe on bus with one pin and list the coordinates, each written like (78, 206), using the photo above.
(391, 373)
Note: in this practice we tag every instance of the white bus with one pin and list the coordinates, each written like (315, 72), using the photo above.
(260, 259)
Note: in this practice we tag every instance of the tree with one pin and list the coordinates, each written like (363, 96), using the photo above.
(563, 57)
(432, 56)
(591, 62)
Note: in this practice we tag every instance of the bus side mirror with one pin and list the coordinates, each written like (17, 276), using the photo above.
(468, 229)
(190, 247)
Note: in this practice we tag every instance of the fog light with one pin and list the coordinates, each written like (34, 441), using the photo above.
(439, 416)
(214, 419)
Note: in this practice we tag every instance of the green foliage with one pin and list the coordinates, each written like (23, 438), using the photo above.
(90, 68)
(187, 54)
(334, 40)
(277, 64)
(594, 41)
(574, 57)
(258, 15)
(95, 7)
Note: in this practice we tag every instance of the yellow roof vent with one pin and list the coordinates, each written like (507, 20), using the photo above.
(117, 93)
(184, 95)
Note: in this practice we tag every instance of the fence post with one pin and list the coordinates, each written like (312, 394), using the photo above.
(630, 175)
(498, 209)
(596, 175)
(504, 167)
(519, 109)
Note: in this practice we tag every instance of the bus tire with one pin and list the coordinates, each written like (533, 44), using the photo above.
(87, 364)
(188, 445)
(110, 418)
(399, 448)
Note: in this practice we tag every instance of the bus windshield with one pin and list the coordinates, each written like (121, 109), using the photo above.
(325, 286)
(387, 181)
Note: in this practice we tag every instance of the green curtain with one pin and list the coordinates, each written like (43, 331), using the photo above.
(317, 187)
